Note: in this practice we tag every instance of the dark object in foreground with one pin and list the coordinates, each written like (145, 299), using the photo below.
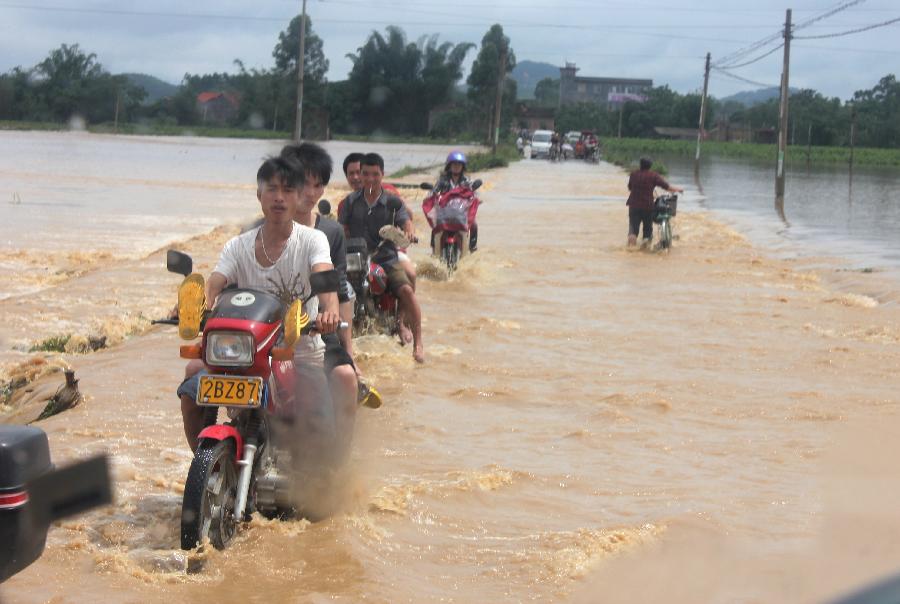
(33, 494)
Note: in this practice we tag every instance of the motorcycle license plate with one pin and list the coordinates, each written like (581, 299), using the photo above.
(229, 391)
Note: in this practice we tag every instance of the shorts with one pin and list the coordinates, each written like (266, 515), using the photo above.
(396, 277)
(638, 217)
(335, 354)
(346, 293)
(403, 256)
(189, 385)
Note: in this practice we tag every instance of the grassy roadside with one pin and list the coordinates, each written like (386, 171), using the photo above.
(626, 151)
(476, 162)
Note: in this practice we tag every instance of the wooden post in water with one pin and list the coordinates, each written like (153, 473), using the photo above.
(852, 137)
(783, 109)
(702, 114)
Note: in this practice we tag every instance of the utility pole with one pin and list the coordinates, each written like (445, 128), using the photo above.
(621, 112)
(116, 118)
(501, 79)
(300, 69)
(852, 134)
(783, 109)
(702, 113)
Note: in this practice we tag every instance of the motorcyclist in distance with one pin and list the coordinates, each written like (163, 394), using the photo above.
(454, 175)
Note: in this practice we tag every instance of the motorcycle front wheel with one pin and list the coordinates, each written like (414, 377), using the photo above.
(451, 256)
(207, 510)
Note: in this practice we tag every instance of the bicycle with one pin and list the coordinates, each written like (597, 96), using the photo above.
(664, 209)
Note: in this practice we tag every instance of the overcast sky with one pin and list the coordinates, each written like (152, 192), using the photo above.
(664, 41)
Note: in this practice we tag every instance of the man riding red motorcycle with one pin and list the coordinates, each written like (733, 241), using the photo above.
(259, 362)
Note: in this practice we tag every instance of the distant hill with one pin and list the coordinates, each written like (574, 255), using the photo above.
(528, 73)
(748, 98)
(156, 88)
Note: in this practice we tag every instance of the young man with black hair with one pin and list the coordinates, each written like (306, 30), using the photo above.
(641, 184)
(363, 215)
(339, 365)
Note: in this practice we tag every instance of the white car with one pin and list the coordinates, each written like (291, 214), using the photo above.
(540, 143)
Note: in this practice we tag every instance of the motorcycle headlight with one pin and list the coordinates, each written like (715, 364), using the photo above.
(227, 349)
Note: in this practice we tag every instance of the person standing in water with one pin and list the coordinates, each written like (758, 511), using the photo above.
(641, 184)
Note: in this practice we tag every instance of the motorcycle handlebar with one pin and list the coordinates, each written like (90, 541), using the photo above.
(164, 322)
(312, 327)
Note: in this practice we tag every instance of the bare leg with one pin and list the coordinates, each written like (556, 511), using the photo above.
(191, 413)
(410, 307)
(192, 416)
(343, 394)
(632, 240)
(346, 335)
(409, 268)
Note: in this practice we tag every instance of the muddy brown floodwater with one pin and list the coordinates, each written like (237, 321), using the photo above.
(592, 424)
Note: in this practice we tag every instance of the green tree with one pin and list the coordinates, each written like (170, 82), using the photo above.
(878, 113)
(483, 78)
(393, 83)
(546, 92)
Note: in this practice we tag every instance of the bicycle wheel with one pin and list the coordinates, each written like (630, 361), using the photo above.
(665, 234)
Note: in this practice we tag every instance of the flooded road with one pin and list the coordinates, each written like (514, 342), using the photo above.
(592, 424)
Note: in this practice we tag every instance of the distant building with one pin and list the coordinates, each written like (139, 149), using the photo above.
(533, 118)
(611, 93)
(217, 107)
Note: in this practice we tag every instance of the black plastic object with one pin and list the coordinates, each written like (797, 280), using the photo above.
(178, 262)
(324, 282)
(248, 304)
(476, 184)
(32, 494)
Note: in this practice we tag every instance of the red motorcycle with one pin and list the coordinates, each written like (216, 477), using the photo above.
(450, 215)
(375, 305)
(250, 461)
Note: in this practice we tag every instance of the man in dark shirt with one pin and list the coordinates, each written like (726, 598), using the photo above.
(641, 184)
(364, 214)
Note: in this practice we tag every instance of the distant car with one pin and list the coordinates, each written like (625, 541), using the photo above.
(540, 143)
(573, 136)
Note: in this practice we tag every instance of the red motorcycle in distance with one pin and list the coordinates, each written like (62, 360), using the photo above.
(450, 215)
(375, 305)
(248, 462)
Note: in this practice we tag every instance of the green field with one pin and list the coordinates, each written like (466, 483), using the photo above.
(626, 151)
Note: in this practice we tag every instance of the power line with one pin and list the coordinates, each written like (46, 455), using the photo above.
(759, 58)
(826, 14)
(742, 79)
(739, 54)
(847, 33)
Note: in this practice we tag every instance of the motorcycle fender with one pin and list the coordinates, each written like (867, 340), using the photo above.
(222, 432)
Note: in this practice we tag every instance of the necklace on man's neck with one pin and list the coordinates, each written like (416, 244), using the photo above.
(262, 240)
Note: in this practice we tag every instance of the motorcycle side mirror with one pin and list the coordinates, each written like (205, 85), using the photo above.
(324, 207)
(476, 184)
(178, 262)
(294, 322)
(324, 282)
(426, 186)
